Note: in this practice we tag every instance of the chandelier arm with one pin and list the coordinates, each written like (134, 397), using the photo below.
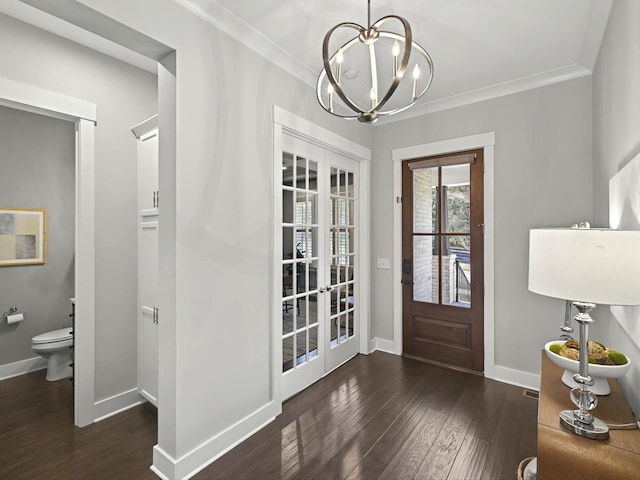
(429, 61)
(319, 98)
(327, 66)
(408, 43)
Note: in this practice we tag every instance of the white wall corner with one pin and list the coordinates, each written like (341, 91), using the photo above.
(517, 377)
(383, 345)
(111, 406)
(208, 452)
(599, 11)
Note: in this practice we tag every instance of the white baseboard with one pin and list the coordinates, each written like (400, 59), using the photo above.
(383, 345)
(501, 374)
(23, 366)
(204, 455)
(517, 378)
(118, 403)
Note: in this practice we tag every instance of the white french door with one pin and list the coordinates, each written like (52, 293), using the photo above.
(319, 262)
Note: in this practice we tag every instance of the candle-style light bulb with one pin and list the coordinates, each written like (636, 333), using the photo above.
(339, 60)
(330, 92)
(416, 76)
(395, 51)
(374, 97)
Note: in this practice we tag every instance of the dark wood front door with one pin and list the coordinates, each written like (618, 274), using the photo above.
(442, 259)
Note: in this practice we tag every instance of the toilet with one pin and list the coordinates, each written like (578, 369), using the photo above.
(55, 347)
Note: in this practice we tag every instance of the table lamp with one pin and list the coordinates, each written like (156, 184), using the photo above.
(587, 266)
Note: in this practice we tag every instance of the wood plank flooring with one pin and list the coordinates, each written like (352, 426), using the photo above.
(377, 417)
(39, 441)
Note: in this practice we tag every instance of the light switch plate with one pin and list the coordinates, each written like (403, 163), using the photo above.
(383, 263)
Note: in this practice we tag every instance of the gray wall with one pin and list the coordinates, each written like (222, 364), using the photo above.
(124, 96)
(542, 177)
(37, 160)
(616, 140)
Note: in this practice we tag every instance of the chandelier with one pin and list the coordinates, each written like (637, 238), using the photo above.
(354, 76)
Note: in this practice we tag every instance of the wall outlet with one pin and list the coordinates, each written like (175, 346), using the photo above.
(383, 263)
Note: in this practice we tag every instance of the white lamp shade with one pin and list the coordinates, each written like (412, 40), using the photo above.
(599, 266)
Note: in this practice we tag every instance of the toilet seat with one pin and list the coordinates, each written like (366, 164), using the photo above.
(54, 336)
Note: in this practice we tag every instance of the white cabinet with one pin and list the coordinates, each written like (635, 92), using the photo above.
(148, 224)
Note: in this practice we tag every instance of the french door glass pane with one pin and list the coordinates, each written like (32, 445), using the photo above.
(351, 220)
(287, 353)
(334, 330)
(287, 206)
(313, 309)
(313, 176)
(287, 243)
(301, 347)
(350, 328)
(313, 343)
(288, 169)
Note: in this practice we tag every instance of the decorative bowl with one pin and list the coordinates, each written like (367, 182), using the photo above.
(599, 373)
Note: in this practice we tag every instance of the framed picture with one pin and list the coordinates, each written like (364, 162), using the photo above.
(23, 236)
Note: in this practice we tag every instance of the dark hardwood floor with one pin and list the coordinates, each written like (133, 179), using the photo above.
(377, 417)
(39, 441)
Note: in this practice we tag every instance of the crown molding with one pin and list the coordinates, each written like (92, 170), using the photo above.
(218, 16)
(221, 18)
(494, 91)
(213, 13)
(50, 23)
(597, 21)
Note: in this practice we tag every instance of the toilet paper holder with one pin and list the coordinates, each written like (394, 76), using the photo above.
(11, 311)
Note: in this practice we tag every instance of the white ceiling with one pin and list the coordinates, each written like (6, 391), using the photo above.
(480, 48)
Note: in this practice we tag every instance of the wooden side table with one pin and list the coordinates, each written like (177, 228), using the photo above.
(563, 455)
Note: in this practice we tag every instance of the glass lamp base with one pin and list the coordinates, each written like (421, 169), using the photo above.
(597, 430)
